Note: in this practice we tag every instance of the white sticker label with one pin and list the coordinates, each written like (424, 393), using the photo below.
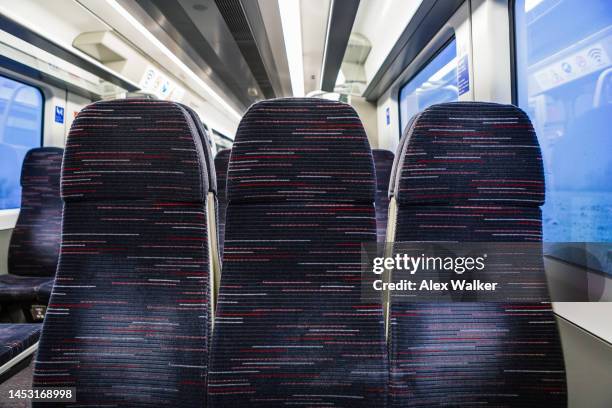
(587, 60)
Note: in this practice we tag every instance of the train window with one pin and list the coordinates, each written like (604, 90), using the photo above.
(21, 110)
(435, 83)
(564, 83)
(221, 141)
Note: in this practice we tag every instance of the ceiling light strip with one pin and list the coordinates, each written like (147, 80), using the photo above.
(292, 34)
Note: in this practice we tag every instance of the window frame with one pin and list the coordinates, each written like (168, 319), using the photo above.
(513, 53)
(420, 68)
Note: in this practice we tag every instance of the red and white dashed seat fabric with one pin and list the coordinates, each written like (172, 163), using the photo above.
(129, 318)
(472, 172)
(290, 328)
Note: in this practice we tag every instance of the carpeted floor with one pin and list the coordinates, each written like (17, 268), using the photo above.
(20, 381)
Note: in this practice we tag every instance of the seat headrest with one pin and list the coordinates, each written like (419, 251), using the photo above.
(42, 166)
(134, 149)
(471, 152)
(301, 149)
(223, 155)
(383, 156)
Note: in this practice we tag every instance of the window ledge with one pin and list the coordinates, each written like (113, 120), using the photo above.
(8, 218)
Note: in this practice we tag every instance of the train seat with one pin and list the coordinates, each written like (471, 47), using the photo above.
(35, 241)
(472, 171)
(383, 161)
(132, 292)
(290, 328)
(221, 162)
(17, 342)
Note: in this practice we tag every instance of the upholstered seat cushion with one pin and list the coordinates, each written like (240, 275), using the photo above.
(15, 288)
(16, 338)
(43, 294)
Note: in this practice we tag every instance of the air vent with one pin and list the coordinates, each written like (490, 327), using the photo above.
(237, 23)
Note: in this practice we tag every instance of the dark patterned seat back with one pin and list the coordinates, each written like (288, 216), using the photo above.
(291, 329)
(473, 172)
(221, 163)
(128, 319)
(383, 160)
(35, 241)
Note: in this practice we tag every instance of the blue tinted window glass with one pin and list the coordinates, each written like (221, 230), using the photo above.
(564, 72)
(435, 83)
(21, 110)
(564, 80)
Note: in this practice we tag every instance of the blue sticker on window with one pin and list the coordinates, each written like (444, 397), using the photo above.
(388, 115)
(59, 114)
(463, 75)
